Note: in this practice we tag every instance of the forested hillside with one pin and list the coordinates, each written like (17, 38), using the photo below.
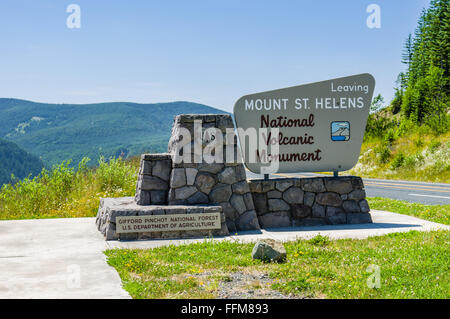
(60, 132)
(422, 93)
(14, 160)
(410, 138)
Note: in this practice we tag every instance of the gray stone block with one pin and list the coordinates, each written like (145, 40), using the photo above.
(277, 205)
(300, 211)
(359, 218)
(142, 197)
(357, 182)
(276, 219)
(205, 182)
(146, 168)
(198, 198)
(241, 175)
(339, 218)
(213, 168)
(191, 173)
(293, 195)
(228, 176)
(267, 186)
(231, 226)
(185, 192)
(241, 187)
(248, 199)
(308, 198)
(283, 185)
(230, 212)
(350, 206)
(128, 236)
(260, 202)
(158, 197)
(237, 201)
(357, 194)
(178, 178)
(255, 186)
(329, 199)
(274, 194)
(151, 183)
(247, 221)
(162, 169)
(331, 211)
(314, 185)
(156, 157)
(364, 206)
(338, 185)
(220, 193)
(318, 210)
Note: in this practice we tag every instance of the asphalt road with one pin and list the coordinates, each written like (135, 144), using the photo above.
(417, 192)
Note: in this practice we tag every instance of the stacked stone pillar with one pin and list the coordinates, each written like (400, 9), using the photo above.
(222, 182)
(153, 180)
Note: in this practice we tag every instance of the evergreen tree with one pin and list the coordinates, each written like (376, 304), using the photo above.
(425, 98)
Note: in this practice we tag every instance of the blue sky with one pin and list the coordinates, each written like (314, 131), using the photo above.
(210, 52)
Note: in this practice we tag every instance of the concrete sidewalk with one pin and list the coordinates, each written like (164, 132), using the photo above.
(63, 258)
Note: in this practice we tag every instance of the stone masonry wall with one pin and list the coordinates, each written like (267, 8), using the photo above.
(153, 180)
(221, 183)
(110, 208)
(310, 201)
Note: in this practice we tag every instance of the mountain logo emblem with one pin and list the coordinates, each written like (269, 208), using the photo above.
(340, 131)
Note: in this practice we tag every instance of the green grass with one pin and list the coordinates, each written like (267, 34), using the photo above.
(434, 213)
(412, 265)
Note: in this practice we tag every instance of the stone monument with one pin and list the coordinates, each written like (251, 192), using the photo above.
(199, 188)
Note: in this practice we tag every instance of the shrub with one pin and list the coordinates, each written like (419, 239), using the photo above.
(410, 161)
(114, 175)
(319, 240)
(383, 153)
(390, 136)
(434, 145)
(406, 126)
(398, 161)
(419, 142)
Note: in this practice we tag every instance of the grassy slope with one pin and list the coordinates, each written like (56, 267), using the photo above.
(412, 265)
(417, 156)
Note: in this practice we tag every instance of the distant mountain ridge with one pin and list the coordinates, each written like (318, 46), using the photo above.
(58, 132)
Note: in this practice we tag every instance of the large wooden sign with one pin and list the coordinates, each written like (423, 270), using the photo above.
(308, 128)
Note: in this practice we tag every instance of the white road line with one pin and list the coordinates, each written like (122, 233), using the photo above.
(429, 196)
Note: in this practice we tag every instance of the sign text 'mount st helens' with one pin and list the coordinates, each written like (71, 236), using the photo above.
(307, 128)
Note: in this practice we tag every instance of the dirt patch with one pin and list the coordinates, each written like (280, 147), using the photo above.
(242, 285)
